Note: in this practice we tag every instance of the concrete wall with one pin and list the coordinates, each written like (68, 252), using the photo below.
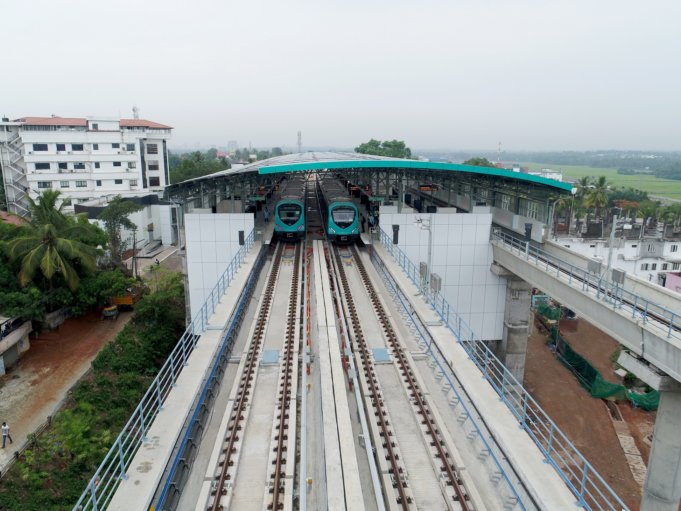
(462, 256)
(212, 241)
(673, 282)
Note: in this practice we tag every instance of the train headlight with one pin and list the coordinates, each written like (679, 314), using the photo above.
(332, 230)
(300, 227)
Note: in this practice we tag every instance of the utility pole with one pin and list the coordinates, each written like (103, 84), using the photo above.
(134, 252)
(300, 141)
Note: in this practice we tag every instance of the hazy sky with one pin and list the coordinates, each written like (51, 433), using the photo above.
(458, 74)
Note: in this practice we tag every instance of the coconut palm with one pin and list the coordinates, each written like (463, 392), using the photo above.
(51, 245)
(47, 249)
(597, 196)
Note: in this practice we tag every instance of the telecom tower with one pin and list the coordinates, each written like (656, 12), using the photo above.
(300, 141)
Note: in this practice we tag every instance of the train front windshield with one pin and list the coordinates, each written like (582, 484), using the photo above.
(343, 216)
(290, 213)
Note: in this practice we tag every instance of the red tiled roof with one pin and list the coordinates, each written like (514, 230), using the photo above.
(9, 218)
(143, 123)
(78, 121)
(53, 121)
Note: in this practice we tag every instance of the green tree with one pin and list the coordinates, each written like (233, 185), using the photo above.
(276, 151)
(597, 197)
(196, 164)
(391, 148)
(115, 217)
(647, 209)
(479, 162)
(51, 245)
(48, 250)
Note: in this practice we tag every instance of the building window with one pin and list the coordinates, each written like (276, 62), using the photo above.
(97, 165)
(634, 246)
(664, 266)
(153, 165)
(644, 266)
(76, 147)
(592, 246)
(95, 126)
(95, 147)
(81, 184)
(40, 147)
(651, 248)
(79, 166)
(674, 248)
(118, 181)
(117, 164)
(133, 182)
(63, 165)
(115, 146)
(154, 181)
(63, 184)
(44, 184)
(99, 182)
(152, 148)
(653, 266)
(132, 164)
(129, 147)
(42, 166)
(676, 266)
(61, 147)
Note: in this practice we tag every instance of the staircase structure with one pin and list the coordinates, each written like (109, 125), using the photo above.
(14, 169)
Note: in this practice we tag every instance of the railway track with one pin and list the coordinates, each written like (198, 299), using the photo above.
(452, 485)
(287, 385)
(234, 438)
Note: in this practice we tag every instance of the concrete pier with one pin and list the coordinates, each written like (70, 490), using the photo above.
(662, 490)
(513, 347)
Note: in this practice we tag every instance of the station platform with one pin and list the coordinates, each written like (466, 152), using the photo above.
(544, 484)
(148, 465)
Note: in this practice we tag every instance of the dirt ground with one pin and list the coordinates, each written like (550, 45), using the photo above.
(586, 420)
(35, 387)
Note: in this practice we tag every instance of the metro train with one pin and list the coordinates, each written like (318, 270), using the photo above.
(289, 212)
(341, 216)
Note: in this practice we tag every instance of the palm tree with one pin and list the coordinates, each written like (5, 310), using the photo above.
(50, 245)
(47, 209)
(565, 203)
(597, 197)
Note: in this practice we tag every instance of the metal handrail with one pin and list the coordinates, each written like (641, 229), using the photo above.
(603, 289)
(590, 489)
(114, 466)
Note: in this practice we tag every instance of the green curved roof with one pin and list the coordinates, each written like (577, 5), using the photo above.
(361, 161)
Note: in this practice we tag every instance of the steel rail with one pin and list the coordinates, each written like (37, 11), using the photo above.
(285, 387)
(404, 501)
(413, 387)
(245, 386)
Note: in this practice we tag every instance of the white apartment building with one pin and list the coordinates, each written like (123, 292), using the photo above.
(83, 158)
(647, 258)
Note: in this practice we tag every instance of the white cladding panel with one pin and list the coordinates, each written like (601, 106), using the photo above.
(461, 255)
(212, 241)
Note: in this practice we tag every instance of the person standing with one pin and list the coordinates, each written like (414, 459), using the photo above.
(266, 213)
(6, 435)
(364, 221)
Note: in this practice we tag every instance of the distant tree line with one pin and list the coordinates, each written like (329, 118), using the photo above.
(201, 163)
(390, 148)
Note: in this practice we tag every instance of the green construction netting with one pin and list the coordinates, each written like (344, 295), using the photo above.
(593, 382)
(549, 312)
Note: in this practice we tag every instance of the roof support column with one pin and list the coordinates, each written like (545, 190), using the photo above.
(513, 348)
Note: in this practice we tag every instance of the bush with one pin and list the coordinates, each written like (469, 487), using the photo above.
(54, 470)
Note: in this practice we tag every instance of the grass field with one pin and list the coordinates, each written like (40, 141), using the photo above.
(655, 186)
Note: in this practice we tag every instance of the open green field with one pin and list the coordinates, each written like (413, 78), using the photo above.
(655, 186)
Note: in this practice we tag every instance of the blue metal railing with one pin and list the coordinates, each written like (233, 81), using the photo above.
(599, 286)
(113, 469)
(586, 484)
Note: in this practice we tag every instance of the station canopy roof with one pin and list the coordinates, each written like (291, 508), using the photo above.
(320, 160)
